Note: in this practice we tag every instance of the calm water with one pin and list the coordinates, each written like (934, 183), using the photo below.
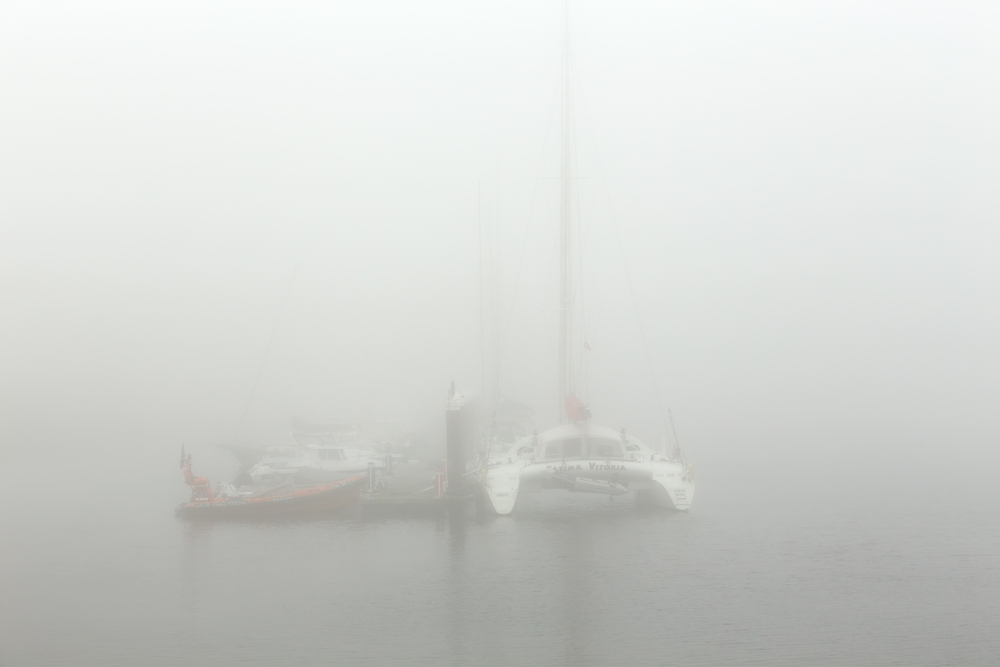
(767, 568)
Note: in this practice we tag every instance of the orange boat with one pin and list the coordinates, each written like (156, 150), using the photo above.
(259, 500)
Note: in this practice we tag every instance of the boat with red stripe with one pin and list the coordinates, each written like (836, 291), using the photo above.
(285, 498)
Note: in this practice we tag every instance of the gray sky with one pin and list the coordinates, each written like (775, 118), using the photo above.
(805, 192)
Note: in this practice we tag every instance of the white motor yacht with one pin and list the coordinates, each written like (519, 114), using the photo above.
(318, 455)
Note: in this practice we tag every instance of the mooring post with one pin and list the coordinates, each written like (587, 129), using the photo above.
(455, 468)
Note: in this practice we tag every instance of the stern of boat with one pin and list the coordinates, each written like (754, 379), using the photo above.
(500, 485)
(671, 487)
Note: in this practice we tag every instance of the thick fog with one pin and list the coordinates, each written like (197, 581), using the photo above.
(195, 195)
(219, 216)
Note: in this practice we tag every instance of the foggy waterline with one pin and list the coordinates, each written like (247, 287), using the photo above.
(762, 581)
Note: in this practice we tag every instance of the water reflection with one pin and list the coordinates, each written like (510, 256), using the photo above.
(459, 587)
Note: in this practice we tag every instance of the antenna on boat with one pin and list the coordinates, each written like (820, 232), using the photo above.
(482, 309)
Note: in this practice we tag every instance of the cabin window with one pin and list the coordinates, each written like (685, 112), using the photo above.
(631, 448)
(564, 449)
(606, 449)
(569, 448)
(572, 448)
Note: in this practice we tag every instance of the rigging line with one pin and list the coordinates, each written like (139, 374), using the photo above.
(497, 307)
(580, 295)
(665, 414)
(677, 443)
(482, 313)
(513, 298)
(520, 264)
(267, 352)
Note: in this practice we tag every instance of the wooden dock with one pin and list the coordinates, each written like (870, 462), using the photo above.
(412, 502)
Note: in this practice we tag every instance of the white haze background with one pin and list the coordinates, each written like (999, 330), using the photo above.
(806, 194)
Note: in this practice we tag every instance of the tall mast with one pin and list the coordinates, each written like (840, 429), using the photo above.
(565, 234)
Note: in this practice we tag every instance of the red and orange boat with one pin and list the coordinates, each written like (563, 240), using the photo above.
(258, 500)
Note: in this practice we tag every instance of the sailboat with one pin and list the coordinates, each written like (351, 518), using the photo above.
(579, 455)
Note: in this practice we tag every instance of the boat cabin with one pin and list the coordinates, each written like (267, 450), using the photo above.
(331, 454)
(577, 441)
(582, 447)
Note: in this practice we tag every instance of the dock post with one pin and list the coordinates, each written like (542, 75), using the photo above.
(454, 440)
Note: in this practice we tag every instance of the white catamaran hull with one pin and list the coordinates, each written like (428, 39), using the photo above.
(665, 484)
(501, 485)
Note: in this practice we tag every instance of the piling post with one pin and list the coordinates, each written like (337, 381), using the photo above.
(456, 435)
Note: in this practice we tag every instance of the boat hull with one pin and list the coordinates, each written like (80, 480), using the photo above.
(667, 484)
(666, 493)
(500, 487)
(306, 501)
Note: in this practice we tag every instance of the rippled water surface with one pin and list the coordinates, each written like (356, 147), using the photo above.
(761, 571)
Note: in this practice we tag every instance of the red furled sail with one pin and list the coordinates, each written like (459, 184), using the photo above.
(576, 410)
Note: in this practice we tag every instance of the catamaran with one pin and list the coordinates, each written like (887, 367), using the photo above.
(578, 455)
